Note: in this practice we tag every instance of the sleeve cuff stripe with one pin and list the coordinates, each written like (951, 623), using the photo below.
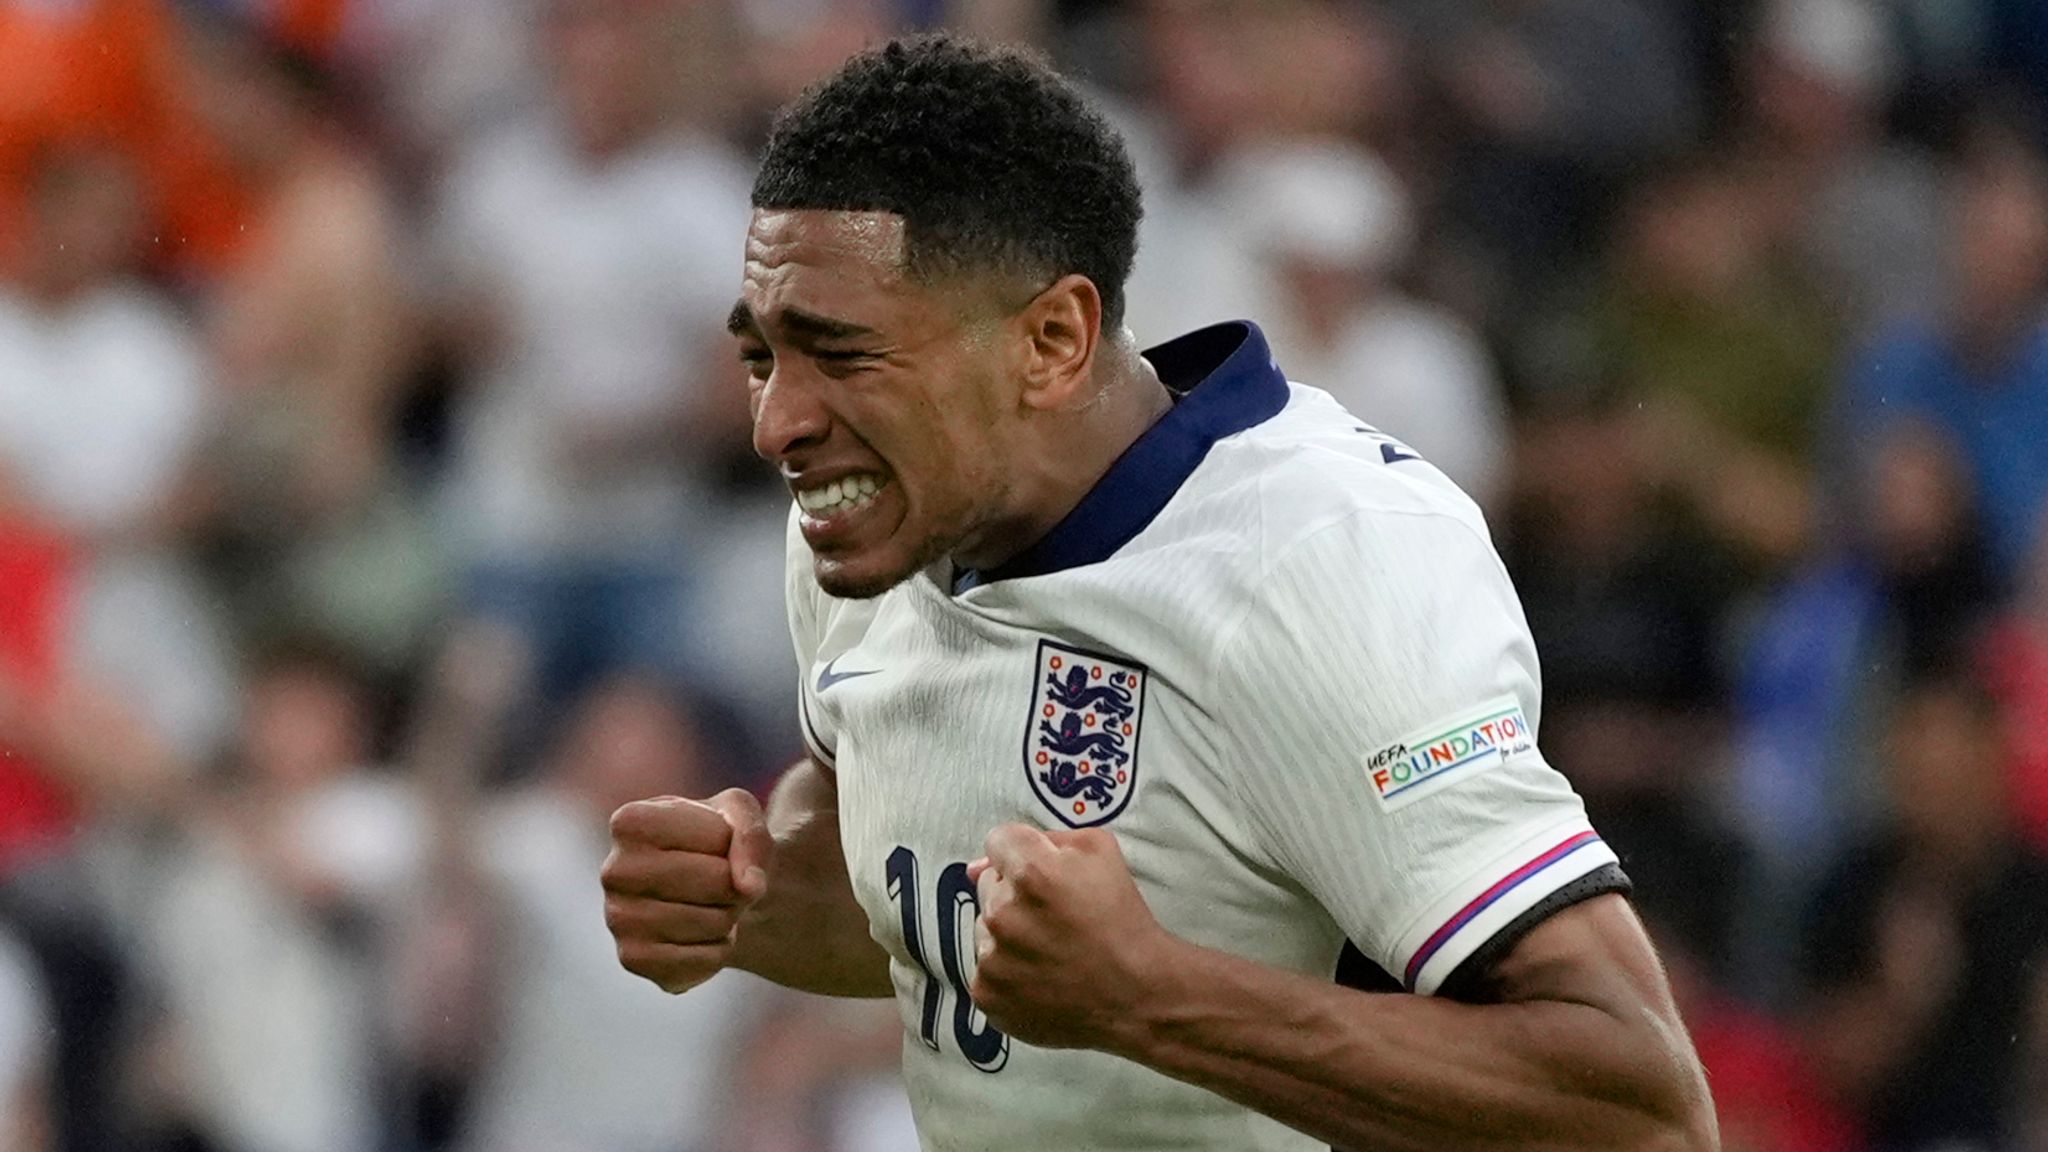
(1486, 899)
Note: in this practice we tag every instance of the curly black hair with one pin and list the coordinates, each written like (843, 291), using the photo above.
(994, 161)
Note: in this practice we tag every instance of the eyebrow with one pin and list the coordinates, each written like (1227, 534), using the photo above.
(800, 324)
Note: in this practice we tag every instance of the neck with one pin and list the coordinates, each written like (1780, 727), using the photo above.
(1083, 444)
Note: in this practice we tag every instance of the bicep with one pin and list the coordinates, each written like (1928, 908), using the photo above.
(1596, 956)
(1594, 953)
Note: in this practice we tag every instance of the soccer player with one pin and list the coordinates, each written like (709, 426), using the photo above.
(1144, 692)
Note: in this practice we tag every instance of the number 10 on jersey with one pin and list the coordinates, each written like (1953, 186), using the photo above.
(981, 1042)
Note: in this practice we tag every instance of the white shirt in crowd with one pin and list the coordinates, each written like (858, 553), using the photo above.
(273, 1010)
(1415, 371)
(1405, 366)
(589, 1057)
(606, 280)
(100, 404)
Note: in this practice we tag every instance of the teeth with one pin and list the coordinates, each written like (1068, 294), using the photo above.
(843, 495)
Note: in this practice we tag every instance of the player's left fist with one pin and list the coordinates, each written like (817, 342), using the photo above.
(1065, 945)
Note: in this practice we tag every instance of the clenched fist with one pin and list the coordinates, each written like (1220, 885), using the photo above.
(679, 875)
(1065, 946)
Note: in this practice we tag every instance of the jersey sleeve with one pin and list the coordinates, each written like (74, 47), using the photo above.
(803, 600)
(1383, 693)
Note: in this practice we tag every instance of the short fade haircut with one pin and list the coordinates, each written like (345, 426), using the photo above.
(994, 161)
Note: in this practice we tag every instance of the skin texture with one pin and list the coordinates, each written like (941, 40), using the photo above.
(1577, 1044)
(984, 423)
(687, 892)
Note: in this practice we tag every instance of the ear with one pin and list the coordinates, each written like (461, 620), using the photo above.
(1061, 330)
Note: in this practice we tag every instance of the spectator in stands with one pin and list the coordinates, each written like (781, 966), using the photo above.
(1978, 370)
(307, 335)
(1627, 605)
(1903, 591)
(268, 925)
(1204, 81)
(1334, 228)
(84, 344)
(1923, 541)
(1862, 209)
(1552, 104)
(435, 77)
(2015, 660)
(1233, 73)
(108, 670)
(792, 44)
(1624, 599)
(823, 1076)
(1727, 352)
(590, 256)
(36, 579)
(586, 1057)
(1936, 504)
(103, 400)
(1768, 1096)
(110, 74)
(1923, 948)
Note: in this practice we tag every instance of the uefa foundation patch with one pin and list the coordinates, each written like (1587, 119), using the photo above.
(1444, 754)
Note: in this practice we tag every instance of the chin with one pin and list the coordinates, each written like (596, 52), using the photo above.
(858, 581)
(868, 573)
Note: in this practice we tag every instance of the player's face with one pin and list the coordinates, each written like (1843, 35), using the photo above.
(882, 401)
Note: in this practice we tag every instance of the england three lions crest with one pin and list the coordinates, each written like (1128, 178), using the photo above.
(1081, 742)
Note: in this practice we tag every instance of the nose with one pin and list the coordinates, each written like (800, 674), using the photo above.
(788, 417)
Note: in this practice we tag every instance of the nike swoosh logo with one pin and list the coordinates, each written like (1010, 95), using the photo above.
(827, 677)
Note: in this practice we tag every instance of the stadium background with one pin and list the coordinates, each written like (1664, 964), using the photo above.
(376, 513)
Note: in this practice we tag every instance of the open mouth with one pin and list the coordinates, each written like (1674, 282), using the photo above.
(841, 497)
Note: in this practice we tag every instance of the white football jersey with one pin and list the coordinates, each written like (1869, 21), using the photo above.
(1276, 654)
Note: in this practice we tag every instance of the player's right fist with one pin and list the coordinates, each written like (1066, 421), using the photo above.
(679, 875)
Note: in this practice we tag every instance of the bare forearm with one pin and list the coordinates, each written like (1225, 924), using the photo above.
(1413, 1072)
(808, 932)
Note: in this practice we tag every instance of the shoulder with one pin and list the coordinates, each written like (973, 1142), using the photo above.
(1315, 477)
(1346, 561)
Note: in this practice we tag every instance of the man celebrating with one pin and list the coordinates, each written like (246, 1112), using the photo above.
(1140, 689)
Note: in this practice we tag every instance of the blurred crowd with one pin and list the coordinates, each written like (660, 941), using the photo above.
(377, 513)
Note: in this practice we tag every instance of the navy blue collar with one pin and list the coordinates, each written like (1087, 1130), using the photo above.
(1223, 381)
